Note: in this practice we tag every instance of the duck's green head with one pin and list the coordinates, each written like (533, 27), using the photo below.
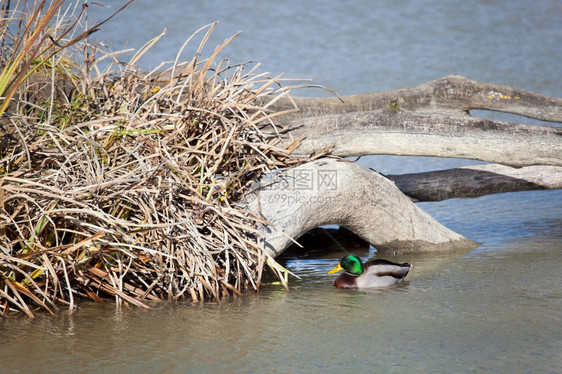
(351, 263)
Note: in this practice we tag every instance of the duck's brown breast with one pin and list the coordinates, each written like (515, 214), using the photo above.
(346, 280)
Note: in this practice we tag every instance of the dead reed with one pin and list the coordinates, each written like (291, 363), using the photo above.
(124, 184)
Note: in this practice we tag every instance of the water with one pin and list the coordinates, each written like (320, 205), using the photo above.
(494, 309)
(486, 311)
(360, 46)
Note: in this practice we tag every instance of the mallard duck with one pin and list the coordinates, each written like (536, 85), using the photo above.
(375, 273)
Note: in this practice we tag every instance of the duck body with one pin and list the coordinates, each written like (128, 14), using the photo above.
(375, 273)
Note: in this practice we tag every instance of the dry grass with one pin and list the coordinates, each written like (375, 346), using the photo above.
(118, 183)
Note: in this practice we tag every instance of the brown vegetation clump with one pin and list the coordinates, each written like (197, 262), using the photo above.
(119, 183)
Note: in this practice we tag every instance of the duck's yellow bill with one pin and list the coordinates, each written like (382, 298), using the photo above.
(336, 269)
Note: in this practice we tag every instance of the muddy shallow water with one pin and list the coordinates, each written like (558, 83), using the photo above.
(497, 308)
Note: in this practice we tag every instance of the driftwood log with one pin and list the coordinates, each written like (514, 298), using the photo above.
(428, 120)
(336, 191)
(474, 181)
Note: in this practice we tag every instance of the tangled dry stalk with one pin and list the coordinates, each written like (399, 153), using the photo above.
(125, 184)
